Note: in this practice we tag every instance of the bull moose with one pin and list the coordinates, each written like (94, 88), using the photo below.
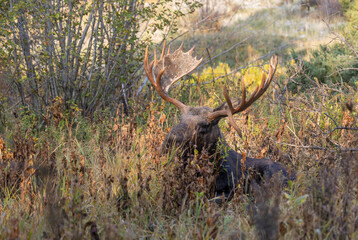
(198, 128)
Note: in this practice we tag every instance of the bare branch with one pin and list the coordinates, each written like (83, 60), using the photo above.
(316, 147)
(337, 126)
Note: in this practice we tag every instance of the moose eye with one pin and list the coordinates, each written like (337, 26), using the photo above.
(203, 127)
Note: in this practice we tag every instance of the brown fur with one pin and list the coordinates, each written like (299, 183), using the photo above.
(195, 132)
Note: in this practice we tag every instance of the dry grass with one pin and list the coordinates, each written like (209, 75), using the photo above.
(104, 178)
(91, 179)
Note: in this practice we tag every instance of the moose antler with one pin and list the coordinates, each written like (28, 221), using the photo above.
(169, 69)
(230, 110)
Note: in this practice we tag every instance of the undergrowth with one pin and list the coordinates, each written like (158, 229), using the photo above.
(79, 178)
(67, 176)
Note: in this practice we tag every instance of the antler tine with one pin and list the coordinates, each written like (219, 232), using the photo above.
(265, 82)
(228, 100)
(181, 46)
(155, 61)
(148, 67)
(157, 83)
(243, 97)
(233, 124)
(244, 104)
(229, 113)
(191, 50)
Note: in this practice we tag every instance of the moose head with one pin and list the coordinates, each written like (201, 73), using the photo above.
(198, 128)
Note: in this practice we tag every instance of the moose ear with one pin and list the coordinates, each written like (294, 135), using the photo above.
(216, 121)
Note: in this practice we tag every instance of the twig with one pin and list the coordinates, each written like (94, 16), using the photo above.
(142, 86)
(125, 99)
(302, 146)
(316, 147)
(342, 39)
(337, 126)
(341, 70)
(224, 52)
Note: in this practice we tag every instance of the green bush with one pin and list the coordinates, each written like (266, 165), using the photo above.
(328, 65)
(88, 52)
(346, 5)
(351, 30)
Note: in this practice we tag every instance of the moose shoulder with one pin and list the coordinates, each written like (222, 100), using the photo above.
(198, 128)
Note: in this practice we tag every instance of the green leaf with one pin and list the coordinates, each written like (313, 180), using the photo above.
(301, 200)
(288, 196)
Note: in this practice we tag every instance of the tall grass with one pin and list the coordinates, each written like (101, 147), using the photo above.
(65, 176)
(80, 178)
